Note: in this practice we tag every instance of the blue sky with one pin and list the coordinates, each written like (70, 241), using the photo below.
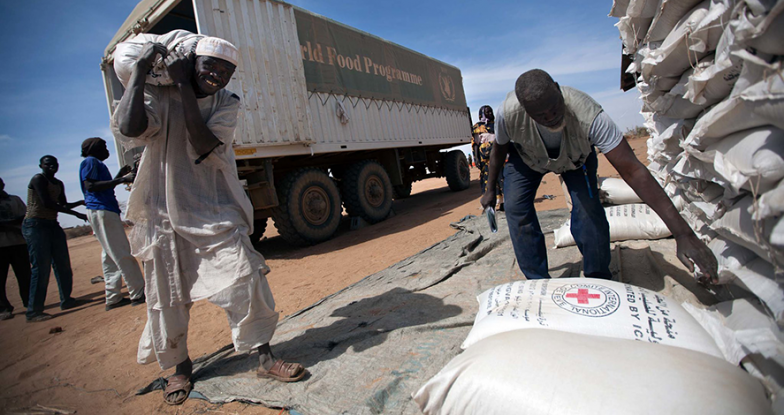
(53, 96)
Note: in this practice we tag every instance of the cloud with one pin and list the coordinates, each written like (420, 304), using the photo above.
(561, 59)
(5, 138)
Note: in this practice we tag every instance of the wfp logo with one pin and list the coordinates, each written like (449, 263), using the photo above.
(590, 300)
(447, 87)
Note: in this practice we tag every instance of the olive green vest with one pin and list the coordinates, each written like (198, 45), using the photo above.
(35, 206)
(581, 110)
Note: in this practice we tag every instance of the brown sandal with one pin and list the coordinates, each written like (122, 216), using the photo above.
(174, 384)
(282, 371)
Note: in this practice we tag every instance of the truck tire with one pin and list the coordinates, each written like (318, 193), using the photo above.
(259, 226)
(309, 209)
(367, 191)
(456, 170)
(402, 191)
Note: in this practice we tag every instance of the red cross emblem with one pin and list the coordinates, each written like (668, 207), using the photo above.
(583, 297)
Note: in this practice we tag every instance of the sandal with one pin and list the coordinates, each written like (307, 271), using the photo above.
(174, 384)
(282, 371)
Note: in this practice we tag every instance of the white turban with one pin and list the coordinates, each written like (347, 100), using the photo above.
(218, 48)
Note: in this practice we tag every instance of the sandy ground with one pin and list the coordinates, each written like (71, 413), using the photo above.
(90, 366)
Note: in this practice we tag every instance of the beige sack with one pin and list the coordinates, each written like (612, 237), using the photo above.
(637, 221)
(538, 372)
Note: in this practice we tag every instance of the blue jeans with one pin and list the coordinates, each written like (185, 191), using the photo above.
(589, 223)
(48, 248)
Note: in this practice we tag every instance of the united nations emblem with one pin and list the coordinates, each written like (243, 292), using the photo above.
(447, 87)
(590, 300)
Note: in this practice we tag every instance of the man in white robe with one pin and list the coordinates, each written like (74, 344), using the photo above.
(191, 213)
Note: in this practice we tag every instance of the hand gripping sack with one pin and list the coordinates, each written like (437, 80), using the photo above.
(127, 53)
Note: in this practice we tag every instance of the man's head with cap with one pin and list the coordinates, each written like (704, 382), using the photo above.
(95, 147)
(216, 60)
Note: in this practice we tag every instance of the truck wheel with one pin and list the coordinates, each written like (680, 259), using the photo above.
(367, 191)
(402, 191)
(259, 226)
(458, 175)
(309, 207)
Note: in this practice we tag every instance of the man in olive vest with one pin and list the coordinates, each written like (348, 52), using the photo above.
(46, 242)
(544, 127)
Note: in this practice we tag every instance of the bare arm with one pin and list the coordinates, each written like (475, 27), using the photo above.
(691, 250)
(199, 135)
(133, 118)
(497, 159)
(99, 186)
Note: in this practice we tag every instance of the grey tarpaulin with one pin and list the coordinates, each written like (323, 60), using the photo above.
(372, 344)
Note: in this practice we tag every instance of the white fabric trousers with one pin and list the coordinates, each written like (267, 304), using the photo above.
(249, 307)
(118, 263)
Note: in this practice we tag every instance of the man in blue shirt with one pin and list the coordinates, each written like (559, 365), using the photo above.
(103, 213)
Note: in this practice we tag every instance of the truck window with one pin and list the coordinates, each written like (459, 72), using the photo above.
(181, 17)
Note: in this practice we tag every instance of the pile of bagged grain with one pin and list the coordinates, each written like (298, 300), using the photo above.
(710, 78)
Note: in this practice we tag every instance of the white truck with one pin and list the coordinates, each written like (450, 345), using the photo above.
(331, 116)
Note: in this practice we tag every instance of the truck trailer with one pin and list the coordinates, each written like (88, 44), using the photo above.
(331, 117)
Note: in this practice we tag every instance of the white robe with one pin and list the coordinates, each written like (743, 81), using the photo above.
(191, 221)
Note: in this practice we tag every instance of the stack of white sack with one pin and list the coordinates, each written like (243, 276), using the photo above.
(588, 346)
(712, 85)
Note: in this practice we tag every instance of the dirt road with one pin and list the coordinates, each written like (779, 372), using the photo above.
(91, 365)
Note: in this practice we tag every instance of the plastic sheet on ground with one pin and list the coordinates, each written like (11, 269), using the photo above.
(371, 345)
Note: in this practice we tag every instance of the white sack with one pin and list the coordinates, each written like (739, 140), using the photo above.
(676, 196)
(738, 226)
(619, 8)
(127, 53)
(538, 372)
(700, 182)
(615, 191)
(588, 306)
(632, 31)
(752, 159)
(762, 29)
(753, 327)
(673, 104)
(666, 136)
(777, 234)
(636, 221)
(757, 99)
(712, 81)
(635, 18)
(771, 203)
(759, 278)
(722, 336)
(694, 37)
(730, 257)
(667, 17)
(643, 8)
(740, 328)
(697, 222)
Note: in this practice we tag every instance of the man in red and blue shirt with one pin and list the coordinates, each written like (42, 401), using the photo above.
(103, 213)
